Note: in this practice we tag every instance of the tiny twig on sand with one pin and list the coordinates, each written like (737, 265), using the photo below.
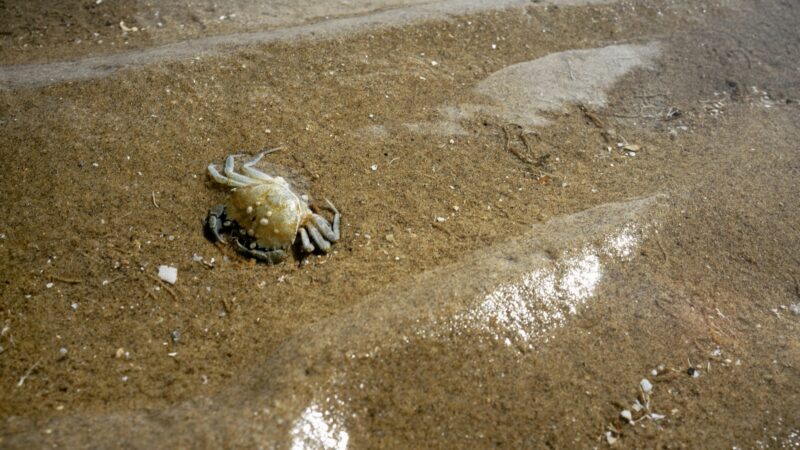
(171, 292)
(592, 117)
(64, 280)
(442, 229)
(154, 199)
(661, 247)
(28, 373)
(164, 285)
(597, 122)
(512, 150)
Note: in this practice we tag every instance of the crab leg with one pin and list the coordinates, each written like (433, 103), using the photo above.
(251, 172)
(307, 246)
(235, 176)
(336, 218)
(325, 228)
(322, 244)
(212, 170)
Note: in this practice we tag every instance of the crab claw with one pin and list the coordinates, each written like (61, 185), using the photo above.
(271, 257)
(214, 223)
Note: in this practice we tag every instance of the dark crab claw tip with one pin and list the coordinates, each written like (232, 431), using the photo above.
(212, 231)
(214, 223)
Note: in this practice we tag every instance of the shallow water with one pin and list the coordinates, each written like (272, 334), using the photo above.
(454, 308)
(527, 289)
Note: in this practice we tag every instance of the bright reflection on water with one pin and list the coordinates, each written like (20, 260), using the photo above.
(316, 429)
(623, 243)
(524, 312)
(542, 300)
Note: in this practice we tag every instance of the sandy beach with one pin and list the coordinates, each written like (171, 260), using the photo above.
(565, 224)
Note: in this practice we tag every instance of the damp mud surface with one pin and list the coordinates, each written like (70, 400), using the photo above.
(564, 226)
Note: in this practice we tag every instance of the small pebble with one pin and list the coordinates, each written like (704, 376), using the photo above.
(646, 385)
(374, 167)
(794, 307)
(74, 306)
(694, 373)
(62, 352)
(168, 274)
(176, 336)
(48, 285)
(440, 219)
(625, 414)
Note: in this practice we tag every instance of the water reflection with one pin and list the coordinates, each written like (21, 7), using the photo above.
(542, 300)
(522, 313)
(318, 429)
(622, 244)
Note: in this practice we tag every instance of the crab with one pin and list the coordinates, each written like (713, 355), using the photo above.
(265, 216)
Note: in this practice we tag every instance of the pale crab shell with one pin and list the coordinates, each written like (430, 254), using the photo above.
(270, 212)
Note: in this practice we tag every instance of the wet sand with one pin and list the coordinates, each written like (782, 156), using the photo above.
(515, 258)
